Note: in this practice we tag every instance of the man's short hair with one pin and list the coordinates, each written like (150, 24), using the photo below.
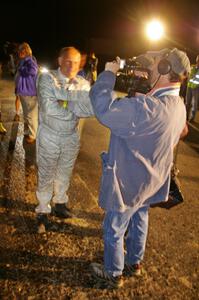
(173, 77)
(65, 50)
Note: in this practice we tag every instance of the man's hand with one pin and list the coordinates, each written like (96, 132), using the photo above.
(63, 103)
(113, 66)
(184, 132)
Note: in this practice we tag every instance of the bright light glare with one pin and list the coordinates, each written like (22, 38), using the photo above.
(44, 70)
(155, 30)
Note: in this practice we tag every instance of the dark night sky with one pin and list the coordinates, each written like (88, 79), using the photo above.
(49, 25)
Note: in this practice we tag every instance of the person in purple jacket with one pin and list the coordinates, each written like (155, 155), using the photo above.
(26, 90)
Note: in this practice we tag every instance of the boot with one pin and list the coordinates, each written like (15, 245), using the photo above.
(61, 211)
(29, 140)
(42, 223)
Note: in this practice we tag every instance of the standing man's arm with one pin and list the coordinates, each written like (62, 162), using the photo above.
(81, 109)
(184, 132)
(79, 100)
(49, 87)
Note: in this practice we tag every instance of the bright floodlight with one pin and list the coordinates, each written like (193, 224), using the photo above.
(154, 30)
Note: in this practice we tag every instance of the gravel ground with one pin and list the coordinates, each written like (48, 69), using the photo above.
(56, 264)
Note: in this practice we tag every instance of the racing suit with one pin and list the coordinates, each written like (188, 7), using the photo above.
(58, 138)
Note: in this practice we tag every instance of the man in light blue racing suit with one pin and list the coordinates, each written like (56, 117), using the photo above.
(136, 169)
(58, 137)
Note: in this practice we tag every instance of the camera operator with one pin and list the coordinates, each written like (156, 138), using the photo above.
(137, 167)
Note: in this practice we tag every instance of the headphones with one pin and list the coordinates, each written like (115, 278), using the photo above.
(164, 66)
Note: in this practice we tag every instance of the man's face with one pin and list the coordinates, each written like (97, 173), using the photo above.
(22, 54)
(69, 63)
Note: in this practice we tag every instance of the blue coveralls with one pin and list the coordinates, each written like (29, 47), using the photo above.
(136, 169)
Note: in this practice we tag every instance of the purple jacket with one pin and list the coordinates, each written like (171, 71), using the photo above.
(26, 77)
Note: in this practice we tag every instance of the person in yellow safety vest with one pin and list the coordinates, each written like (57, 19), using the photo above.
(192, 96)
(94, 63)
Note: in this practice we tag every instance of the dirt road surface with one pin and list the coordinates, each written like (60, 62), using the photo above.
(56, 265)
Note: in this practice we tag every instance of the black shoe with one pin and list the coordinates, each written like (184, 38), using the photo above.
(42, 223)
(29, 140)
(134, 270)
(104, 278)
(61, 211)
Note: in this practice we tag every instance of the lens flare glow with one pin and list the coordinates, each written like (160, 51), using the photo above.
(155, 30)
(44, 70)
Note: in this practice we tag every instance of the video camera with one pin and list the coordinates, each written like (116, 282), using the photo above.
(132, 77)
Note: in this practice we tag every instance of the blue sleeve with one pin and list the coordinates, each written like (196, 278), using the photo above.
(118, 115)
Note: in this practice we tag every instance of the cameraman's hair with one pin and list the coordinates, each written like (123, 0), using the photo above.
(173, 77)
(65, 50)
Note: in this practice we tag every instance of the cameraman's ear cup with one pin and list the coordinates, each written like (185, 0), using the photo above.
(164, 67)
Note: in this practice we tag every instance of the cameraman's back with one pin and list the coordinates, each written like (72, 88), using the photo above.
(144, 131)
